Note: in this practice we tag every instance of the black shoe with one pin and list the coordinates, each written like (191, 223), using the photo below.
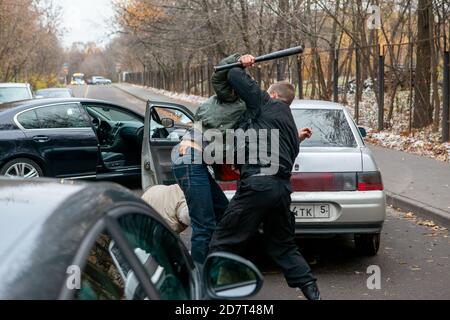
(311, 291)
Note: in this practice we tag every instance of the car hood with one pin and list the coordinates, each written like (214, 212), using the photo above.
(329, 160)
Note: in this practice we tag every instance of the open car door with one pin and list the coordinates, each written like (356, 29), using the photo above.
(165, 125)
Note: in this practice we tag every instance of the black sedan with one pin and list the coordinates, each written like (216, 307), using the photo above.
(70, 138)
(68, 240)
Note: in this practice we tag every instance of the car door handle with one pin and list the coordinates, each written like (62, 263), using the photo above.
(41, 139)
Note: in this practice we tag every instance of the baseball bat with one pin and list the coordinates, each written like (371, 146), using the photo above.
(267, 57)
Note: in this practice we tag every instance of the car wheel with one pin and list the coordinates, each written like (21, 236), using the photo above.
(23, 168)
(368, 244)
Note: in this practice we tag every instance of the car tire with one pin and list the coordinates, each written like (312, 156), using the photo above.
(23, 168)
(368, 244)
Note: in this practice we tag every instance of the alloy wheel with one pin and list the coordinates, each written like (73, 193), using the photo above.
(23, 170)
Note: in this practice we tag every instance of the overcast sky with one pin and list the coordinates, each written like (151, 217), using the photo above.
(86, 20)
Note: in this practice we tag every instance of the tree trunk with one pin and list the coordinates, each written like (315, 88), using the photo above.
(423, 110)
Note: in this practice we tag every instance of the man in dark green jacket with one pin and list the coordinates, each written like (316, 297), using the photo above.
(225, 109)
(205, 199)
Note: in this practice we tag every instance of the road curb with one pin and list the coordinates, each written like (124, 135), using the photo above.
(418, 208)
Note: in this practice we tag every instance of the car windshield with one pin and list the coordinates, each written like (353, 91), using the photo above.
(111, 114)
(14, 94)
(330, 128)
(54, 93)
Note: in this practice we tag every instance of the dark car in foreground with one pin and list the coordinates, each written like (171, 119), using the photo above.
(70, 138)
(67, 240)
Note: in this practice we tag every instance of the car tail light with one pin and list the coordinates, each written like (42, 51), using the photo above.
(225, 172)
(227, 177)
(370, 181)
(228, 186)
(323, 182)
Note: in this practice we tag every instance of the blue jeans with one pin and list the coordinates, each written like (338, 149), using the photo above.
(206, 202)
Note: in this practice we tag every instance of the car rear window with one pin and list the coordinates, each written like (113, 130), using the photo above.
(11, 94)
(330, 128)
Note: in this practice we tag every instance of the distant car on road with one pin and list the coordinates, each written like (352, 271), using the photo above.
(70, 138)
(337, 186)
(10, 92)
(54, 93)
(68, 241)
(96, 80)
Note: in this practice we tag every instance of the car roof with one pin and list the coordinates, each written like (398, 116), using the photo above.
(20, 199)
(26, 204)
(25, 104)
(14, 85)
(44, 219)
(316, 104)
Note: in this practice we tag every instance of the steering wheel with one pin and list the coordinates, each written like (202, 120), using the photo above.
(140, 136)
(103, 129)
(96, 122)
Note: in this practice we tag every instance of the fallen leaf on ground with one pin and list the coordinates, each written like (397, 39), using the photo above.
(426, 223)
(409, 215)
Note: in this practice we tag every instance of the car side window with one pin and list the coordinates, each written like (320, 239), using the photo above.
(29, 120)
(61, 117)
(102, 278)
(182, 123)
(161, 254)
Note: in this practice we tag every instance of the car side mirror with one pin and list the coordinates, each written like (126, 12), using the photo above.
(168, 123)
(228, 276)
(363, 132)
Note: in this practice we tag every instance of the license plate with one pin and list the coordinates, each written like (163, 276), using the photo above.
(312, 211)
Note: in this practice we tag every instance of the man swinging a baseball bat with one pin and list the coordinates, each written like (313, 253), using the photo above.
(264, 197)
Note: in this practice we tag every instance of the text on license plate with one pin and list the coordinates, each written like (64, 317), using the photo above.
(312, 211)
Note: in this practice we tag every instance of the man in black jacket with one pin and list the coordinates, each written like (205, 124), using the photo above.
(264, 197)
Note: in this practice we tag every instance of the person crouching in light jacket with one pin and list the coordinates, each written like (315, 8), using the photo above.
(170, 203)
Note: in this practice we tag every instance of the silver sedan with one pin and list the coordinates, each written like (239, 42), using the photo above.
(337, 185)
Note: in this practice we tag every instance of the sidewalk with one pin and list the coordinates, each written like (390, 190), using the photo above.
(413, 183)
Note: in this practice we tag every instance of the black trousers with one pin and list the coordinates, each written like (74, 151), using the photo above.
(267, 201)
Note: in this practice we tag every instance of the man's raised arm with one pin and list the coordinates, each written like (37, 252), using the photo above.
(245, 87)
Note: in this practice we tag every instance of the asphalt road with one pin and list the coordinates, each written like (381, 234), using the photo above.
(414, 258)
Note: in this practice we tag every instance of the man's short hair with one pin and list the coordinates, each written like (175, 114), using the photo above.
(285, 90)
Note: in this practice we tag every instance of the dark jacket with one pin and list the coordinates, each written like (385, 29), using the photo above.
(266, 113)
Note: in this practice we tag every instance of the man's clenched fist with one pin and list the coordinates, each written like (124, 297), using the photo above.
(305, 133)
(247, 60)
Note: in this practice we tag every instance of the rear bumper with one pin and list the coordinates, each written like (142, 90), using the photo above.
(353, 212)
(332, 229)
